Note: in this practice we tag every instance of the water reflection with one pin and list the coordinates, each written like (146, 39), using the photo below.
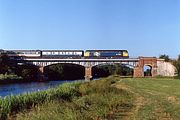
(15, 89)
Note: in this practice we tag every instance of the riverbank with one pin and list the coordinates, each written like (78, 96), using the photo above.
(11, 105)
(14, 79)
(106, 98)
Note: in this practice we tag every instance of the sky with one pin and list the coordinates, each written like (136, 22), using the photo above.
(143, 27)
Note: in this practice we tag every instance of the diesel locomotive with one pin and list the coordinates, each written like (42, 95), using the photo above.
(106, 54)
(73, 54)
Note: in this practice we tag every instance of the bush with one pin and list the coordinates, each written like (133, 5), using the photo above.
(176, 63)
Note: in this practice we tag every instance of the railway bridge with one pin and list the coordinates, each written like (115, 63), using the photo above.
(136, 63)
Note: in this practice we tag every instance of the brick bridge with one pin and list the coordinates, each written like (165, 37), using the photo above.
(158, 66)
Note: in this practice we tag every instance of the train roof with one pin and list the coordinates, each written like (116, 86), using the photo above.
(62, 50)
(105, 50)
(22, 50)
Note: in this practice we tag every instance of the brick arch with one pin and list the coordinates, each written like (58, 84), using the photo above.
(150, 61)
(150, 66)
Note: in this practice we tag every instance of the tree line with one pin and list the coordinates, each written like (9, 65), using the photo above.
(10, 67)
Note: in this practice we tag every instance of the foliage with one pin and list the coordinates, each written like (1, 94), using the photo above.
(10, 76)
(165, 57)
(7, 66)
(177, 65)
(28, 72)
(106, 70)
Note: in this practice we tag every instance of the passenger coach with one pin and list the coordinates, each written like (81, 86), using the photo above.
(23, 53)
(62, 53)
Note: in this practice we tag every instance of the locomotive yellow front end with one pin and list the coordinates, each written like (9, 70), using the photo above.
(125, 54)
(86, 54)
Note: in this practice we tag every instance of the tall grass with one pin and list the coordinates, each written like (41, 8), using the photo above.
(99, 100)
(12, 104)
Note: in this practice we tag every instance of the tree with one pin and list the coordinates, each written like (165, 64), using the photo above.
(176, 63)
(165, 57)
(106, 70)
(64, 72)
(4, 64)
(28, 72)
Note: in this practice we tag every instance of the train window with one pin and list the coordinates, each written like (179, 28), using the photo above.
(79, 53)
(56, 53)
(45, 53)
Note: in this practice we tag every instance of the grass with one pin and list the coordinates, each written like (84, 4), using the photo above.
(112, 98)
(160, 97)
(98, 100)
(10, 105)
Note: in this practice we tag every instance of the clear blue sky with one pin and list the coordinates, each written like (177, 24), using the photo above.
(143, 27)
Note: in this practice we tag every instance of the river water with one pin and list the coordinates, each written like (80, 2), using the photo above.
(20, 88)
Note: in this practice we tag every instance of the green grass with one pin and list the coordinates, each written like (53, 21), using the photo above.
(160, 97)
(10, 105)
(99, 100)
(112, 98)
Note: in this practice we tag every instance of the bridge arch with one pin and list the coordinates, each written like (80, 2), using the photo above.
(147, 70)
(66, 71)
(106, 69)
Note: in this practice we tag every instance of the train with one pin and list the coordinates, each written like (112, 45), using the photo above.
(73, 54)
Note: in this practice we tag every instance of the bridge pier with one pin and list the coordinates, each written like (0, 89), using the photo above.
(138, 72)
(41, 76)
(88, 73)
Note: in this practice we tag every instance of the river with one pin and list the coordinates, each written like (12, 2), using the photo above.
(20, 88)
